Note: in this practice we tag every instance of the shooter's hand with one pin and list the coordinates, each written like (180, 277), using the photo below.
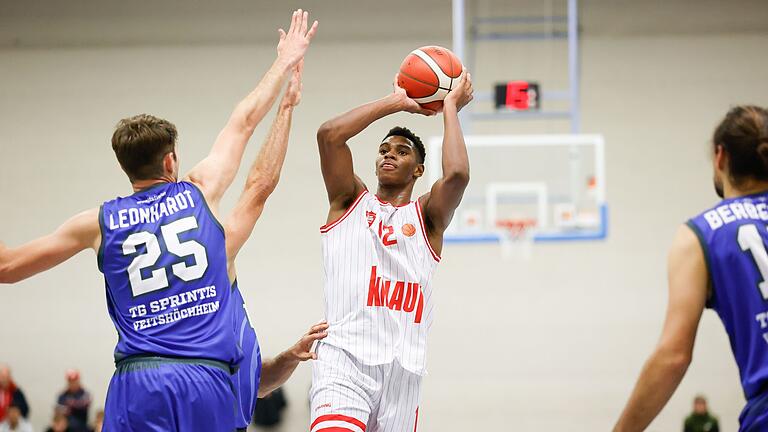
(407, 104)
(462, 94)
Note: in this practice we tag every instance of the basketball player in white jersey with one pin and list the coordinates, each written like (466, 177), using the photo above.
(380, 251)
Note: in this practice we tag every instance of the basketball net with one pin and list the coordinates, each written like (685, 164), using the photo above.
(516, 238)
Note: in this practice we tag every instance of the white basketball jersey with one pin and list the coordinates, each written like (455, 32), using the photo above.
(378, 282)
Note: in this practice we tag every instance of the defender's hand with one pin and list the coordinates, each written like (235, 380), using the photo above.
(294, 43)
(302, 351)
(407, 104)
(292, 95)
(462, 94)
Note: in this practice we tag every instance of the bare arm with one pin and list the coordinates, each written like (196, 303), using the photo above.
(665, 368)
(444, 197)
(275, 372)
(215, 173)
(264, 174)
(335, 156)
(78, 233)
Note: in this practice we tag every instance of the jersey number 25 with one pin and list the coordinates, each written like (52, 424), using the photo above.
(158, 279)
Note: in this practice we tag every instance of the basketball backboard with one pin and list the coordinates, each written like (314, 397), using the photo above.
(555, 181)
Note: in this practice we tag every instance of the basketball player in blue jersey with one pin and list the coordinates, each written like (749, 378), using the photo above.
(168, 265)
(253, 379)
(718, 259)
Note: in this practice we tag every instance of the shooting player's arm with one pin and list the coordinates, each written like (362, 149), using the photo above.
(444, 197)
(78, 233)
(341, 183)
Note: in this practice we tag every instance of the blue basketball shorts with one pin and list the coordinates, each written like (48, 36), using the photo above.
(149, 394)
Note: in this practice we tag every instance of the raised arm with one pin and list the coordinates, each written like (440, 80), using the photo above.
(78, 233)
(665, 368)
(441, 202)
(264, 174)
(335, 156)
(276, 371)
(215, 173)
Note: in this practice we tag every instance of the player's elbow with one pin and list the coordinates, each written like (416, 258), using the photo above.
(675, 360)
(7, 275)
(458, 177)
(262, 187)
(326, 134)
(242, 121)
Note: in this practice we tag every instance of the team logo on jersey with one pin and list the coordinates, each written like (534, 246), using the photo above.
(371, 217)
(409, 230)
(398, 295)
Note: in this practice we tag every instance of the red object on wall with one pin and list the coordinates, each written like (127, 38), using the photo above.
(517, 95)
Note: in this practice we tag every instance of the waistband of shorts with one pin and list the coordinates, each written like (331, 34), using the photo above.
(141, 362)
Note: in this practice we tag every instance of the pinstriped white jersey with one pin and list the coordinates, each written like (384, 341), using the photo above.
(378, 282)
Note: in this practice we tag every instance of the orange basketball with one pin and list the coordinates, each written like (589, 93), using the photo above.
(428, 74)
(409, 230)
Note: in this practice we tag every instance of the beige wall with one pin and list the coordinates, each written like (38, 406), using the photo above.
(554, 344)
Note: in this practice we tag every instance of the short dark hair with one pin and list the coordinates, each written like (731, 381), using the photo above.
(743, 133)
(410, 136)
(140, 144)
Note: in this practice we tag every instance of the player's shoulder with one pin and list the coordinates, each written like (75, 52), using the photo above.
(687, 239)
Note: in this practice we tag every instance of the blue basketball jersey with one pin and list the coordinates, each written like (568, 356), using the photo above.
(734, 235)
(248, 376)
(163, 256)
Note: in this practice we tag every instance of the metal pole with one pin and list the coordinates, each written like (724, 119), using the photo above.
(574, 75)
(577, 182)
(459, 37)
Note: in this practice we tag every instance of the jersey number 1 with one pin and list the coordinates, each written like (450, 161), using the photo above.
(158, 279)
(750, 240)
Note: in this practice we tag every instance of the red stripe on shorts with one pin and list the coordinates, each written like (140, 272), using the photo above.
(334, 429)
(337, 417)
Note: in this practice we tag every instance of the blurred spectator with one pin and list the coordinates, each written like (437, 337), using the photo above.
(700, 419)
(14, 421)
(10, 394)
(98, 421)
(269, 410)
(59, 423)
(76, 401)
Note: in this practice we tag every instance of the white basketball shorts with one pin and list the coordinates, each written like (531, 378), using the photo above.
(348, 396)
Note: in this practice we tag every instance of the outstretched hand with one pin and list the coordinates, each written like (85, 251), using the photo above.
(461, 95)
(294, 43)
(302, 351)
(408, 104)
(292, 95)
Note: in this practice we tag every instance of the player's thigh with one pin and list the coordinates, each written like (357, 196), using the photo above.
(169, 397)
(341, 394)
(399, 403)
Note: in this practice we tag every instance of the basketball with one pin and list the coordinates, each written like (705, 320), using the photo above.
(428, 74)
